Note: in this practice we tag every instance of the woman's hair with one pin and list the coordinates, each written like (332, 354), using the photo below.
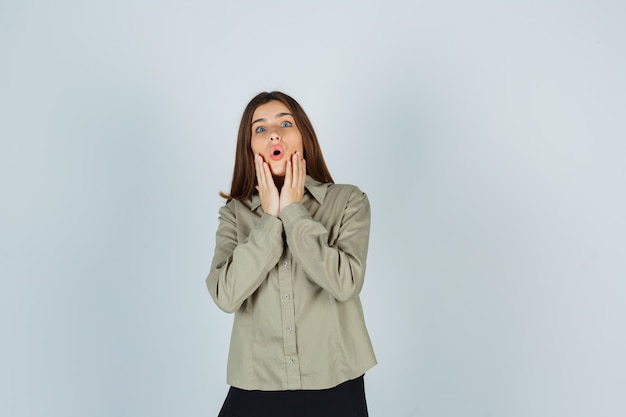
(244, 174)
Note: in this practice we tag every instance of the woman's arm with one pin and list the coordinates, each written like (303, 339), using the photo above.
(238, 269)
(340, 268)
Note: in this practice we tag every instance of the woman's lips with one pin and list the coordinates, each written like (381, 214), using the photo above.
(276, 152)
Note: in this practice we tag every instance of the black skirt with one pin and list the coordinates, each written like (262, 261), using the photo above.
(344, 400)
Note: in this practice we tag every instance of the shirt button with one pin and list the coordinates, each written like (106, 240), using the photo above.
(286, 296)
(292, 360)
(285, 264)
(289, 328)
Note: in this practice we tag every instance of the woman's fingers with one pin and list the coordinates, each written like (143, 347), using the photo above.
(288, 174)
(295, 178)
(268, 193)
(267, 175)
(259, 170)
(300, 174)
(295, 165)
(295, 174)
(263, 174)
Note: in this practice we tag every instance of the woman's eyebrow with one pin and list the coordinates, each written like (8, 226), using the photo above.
(278, 116)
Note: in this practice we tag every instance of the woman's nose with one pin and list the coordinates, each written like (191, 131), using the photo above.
(274, 136)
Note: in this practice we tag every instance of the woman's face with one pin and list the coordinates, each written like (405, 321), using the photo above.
(275, 136)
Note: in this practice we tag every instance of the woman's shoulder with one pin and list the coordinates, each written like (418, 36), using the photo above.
(234, 205)
(341, 189)
(346, 194)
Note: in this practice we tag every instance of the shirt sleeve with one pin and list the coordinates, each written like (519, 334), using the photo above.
(338, 268)
(238, 269)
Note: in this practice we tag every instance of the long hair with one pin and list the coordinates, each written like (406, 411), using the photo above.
(244, 174)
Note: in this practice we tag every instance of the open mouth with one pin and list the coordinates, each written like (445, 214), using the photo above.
(276, 152)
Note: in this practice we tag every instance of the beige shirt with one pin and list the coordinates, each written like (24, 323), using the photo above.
(293, 283)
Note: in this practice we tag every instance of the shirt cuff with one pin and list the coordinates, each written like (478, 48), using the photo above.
(294, 211)
(269, 223)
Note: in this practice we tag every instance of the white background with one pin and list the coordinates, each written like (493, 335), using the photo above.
(488, 135)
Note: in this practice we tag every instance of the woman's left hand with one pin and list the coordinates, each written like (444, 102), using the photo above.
(295, 177)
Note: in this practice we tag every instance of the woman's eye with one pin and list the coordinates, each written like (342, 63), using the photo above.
(259, 129)
(285, 124)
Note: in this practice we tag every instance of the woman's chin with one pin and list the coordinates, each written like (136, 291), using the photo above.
(278, 170)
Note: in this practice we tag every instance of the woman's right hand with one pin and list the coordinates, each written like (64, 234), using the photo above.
(268, 193)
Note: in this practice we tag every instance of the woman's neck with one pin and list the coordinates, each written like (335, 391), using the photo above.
(279, 181)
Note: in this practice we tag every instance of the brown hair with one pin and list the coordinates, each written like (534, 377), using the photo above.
(244, 174)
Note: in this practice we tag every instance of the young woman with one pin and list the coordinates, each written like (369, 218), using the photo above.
(289, 262)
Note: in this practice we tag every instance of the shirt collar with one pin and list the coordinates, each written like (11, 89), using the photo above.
(315, 188)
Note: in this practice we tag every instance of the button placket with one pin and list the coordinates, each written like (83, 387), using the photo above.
(285, 283)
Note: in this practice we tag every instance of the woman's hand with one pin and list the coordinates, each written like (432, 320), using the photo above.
(295, 176)
(268, 193)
